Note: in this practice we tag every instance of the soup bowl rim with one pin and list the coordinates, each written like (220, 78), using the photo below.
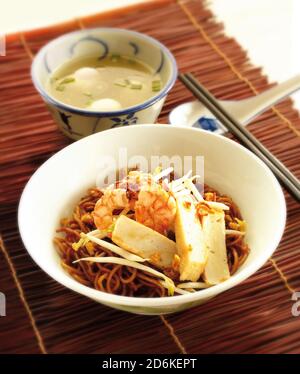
(94, 113)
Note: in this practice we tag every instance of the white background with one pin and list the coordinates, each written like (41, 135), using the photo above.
(268, 29)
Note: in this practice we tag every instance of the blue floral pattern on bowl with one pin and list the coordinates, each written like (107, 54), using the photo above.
(130, 119)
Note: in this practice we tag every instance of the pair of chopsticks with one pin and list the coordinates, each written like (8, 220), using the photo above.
(287, 179)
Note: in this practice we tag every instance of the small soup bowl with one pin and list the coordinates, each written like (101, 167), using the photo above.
(101, 42)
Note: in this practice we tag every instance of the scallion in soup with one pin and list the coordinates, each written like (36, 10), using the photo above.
(112, 83)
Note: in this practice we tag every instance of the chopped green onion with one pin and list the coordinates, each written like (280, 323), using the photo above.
(135, 85)
(121, 82)
(90, 98)
(115, 57)
(156, 85)
(60, 88)
(67, 80)
(89, 101)
(53, 79)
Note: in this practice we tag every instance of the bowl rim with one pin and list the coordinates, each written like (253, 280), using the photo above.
(94, 113)
(64, 279)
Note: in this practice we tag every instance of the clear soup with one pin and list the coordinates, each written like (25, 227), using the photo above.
(112, 83)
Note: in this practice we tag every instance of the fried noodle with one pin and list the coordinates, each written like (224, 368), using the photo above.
(121, 279)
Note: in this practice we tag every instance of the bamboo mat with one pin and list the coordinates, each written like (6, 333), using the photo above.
(42, 316)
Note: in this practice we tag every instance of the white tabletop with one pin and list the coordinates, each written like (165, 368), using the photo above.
(267, 29)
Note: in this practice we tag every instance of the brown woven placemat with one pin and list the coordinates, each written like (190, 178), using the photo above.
(42, 316)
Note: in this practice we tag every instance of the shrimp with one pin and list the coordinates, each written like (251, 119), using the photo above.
(121, 195)
(111, 200)
(155, 208)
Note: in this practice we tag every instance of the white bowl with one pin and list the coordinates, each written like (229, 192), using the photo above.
(57, 185)
(100, 42)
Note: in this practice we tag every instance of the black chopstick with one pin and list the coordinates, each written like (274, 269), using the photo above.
(247, 133)
(291, 183)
